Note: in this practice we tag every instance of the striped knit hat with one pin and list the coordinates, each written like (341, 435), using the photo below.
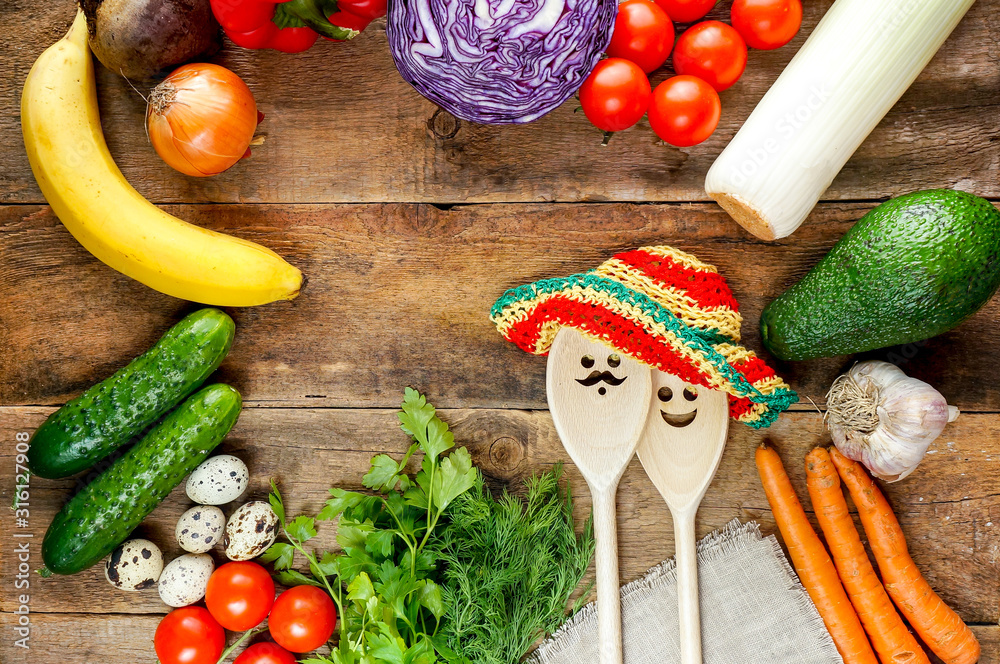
(664, 308)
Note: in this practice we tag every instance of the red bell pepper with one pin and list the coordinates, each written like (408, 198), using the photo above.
(293, 26)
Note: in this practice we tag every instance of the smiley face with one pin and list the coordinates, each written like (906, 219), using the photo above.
(598, 376)
(673, 400)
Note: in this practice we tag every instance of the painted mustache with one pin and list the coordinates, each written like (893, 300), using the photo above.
(596, 377)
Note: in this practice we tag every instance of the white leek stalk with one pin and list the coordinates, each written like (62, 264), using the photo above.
(855, 65)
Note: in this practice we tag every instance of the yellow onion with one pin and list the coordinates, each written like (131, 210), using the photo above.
(201, 119)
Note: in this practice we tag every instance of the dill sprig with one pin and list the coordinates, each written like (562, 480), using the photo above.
(509, 568)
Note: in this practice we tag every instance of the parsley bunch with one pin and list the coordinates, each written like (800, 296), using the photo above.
(391, 607)
(432, 568)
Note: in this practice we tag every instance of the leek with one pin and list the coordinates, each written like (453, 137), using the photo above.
(855, 65)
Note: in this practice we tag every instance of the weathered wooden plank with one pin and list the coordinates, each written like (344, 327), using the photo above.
(325, 143)
(949, 507)
(400, 294)
(81, 638)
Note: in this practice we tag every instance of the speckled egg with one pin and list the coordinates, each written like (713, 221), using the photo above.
(218, 480)
(134, 565)
(185, 579)
(250, 531)
(200, 528)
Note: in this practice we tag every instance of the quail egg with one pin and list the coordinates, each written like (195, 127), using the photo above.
(200, 528)
(185, 579)
(134, 565)
(250, 531)
(218, 480)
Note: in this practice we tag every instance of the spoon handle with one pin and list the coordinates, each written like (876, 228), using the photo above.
(609, 619)
(687, 587)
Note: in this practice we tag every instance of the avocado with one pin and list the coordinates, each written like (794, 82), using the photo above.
(910, 269)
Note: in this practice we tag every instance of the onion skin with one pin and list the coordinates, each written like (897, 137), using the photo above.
(139, 38)
(201, 119)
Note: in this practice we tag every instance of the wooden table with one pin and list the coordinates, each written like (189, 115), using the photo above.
(409, 224)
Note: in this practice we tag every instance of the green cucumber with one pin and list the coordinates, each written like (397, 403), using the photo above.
(104, 513)
(912, 268)
(116, 410)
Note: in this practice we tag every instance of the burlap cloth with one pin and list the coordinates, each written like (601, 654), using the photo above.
(753, 611)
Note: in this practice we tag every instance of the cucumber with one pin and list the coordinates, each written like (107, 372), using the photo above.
(118, 409)
(105, 512)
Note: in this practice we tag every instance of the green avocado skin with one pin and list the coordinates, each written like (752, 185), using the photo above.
(912, 268)
(119, 408)
(104, 513)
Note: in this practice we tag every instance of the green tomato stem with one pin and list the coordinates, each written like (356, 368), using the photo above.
(246, 635)
(308, 13)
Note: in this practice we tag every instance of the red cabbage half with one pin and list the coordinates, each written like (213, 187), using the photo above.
(498, 61)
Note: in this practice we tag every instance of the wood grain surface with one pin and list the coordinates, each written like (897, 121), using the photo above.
(408, 225)
(342, 126)
(401, 294)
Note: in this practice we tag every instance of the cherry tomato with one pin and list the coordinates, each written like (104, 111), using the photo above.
(616, 94)
(767, 24)
(265, 653)
(240, 595)
(684, 110)
(347, 20)
(302, 619)
(686, 11)
(189, 636)
(712, 51)
(369, 9)
(643, 34)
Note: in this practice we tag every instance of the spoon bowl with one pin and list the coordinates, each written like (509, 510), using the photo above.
(599, 399)
(680, 449)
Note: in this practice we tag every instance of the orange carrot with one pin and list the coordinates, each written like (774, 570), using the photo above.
(941, 628)
(889, 636)
(812, 562)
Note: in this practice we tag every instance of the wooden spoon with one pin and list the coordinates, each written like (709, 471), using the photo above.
(599, 399)
(680, 450)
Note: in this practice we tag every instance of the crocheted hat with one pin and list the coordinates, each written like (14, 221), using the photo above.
(664, 308)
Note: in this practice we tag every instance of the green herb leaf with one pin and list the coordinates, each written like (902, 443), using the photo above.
(279, 553)
(383, 474)
(291, 577)
(301, 529)
(456, 476)
(379, 543)
(276, 503)
(327, 565)
(429, 595)
(386, 648)
(360, 589)
(340, 501)
(351, 534)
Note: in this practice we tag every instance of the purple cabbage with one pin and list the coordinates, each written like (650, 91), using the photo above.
(498, 61)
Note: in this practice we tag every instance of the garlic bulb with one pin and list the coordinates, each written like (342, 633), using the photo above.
(884, 419)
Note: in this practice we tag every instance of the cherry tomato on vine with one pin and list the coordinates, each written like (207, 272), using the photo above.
(712, 51)
(615, 95)
(684, 110)
(265, 653)
(643, 34)
(686, 11)
(767, 24)
(302, 619)
(240, 595)
(189, 636)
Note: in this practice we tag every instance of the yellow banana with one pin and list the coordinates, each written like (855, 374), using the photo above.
(75, 171)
